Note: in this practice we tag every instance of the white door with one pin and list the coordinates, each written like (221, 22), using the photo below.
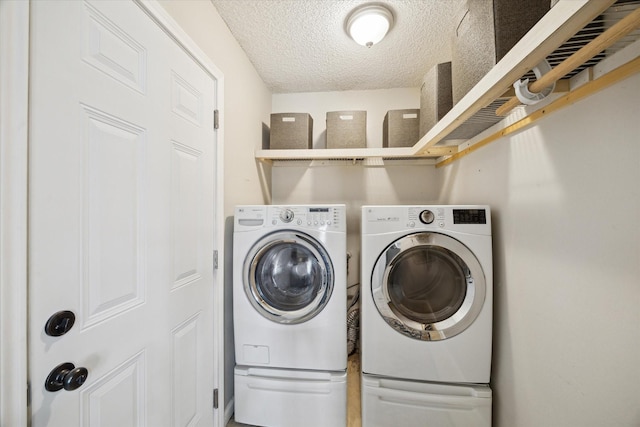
(121, 211)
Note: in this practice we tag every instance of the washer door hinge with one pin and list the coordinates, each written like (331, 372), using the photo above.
(215, 259)
(216, 119)
(215, 398)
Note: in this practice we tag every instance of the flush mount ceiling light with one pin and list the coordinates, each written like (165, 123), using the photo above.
(368, 24)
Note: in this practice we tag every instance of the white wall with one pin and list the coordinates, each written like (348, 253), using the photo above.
(247, 105)
(565, 196)
(566, 205)
(342, 181)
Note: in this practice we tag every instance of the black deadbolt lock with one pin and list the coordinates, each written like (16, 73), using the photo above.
(60, 323)
(66, 376)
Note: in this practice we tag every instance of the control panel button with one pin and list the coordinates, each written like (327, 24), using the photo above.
(426, 217)
(286, 215)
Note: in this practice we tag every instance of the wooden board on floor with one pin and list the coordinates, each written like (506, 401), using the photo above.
(353, 391)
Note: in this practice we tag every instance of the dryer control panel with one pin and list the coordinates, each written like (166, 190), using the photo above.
(474, 219)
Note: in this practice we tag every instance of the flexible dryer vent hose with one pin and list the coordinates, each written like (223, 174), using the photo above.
(353, 323)
(353, 327)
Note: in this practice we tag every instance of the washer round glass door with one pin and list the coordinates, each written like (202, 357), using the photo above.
(428, 286)
(288, 277)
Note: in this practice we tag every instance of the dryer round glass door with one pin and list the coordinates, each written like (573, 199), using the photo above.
(288, 277)
(428, 286)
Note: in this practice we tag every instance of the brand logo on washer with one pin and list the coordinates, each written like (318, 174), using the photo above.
(380, 217)
(386, 219)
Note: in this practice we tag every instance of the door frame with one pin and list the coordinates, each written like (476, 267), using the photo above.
(14, 144)
(14, 96)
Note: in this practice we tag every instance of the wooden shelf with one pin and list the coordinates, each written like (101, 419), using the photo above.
(354, 153)
(563, 21)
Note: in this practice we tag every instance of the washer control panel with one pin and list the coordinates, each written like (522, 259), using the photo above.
(316, 217)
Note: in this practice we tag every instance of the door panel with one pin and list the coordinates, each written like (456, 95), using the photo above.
(119, 396)
(112, 214)
(186, 186)
(121, 209)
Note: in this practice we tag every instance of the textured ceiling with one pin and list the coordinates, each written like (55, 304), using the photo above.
(302, 46)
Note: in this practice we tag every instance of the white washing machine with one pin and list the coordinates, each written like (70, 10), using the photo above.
(426, 315)
(289, 311)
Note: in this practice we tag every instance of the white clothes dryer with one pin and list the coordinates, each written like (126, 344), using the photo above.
(426, 313)
(289, 311)
(427, 292)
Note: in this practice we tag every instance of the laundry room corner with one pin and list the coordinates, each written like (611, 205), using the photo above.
(564, 204)
(566, 251)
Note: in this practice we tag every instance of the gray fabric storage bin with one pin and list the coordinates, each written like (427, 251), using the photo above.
(291, 131)
(346, 129)
(435, 96)
(486, 31)
(400, 128)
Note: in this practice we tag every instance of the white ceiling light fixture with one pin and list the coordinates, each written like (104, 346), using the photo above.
(368, 24)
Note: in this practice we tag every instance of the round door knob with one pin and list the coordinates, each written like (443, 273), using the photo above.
(66, 376)
(75, 378)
